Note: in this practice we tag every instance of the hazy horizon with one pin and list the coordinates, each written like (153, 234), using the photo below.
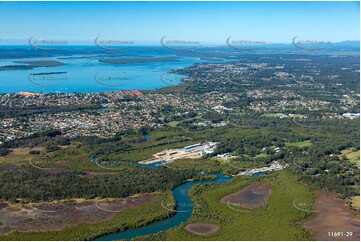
(209, 22)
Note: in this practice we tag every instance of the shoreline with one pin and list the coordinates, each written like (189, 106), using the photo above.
(157, 90)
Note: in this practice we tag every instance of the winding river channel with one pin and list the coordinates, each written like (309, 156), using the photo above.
(183, 213)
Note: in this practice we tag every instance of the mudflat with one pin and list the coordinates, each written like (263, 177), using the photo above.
(203, 229)
(56, 216)
(333, 216)
(251, 197)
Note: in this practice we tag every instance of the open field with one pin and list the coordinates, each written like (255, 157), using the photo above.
(175, 123)
(261, 155)
(352, 155)
(69, 157)
(19, 156)
(300, 144)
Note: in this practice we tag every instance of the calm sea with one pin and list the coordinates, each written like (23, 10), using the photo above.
(89, 75)
(82, 72)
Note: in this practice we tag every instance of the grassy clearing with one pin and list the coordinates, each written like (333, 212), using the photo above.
(261, 155)
(272, 115)
(355, 202)
(70, 154)
(175, 123)
(352, 155)
(20, 156)
(300, 144)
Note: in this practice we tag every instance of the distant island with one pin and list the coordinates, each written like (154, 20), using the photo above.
(31, 65)
(49, 73)
(41, 63)
(137, 60)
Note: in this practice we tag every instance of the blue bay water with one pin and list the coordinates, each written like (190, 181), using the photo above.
(86, 75)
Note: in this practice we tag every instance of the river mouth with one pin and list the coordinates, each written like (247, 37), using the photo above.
(333, 220)
(251, 197)
(202, 229)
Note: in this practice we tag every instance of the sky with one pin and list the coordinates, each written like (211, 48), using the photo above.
(207, 22)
